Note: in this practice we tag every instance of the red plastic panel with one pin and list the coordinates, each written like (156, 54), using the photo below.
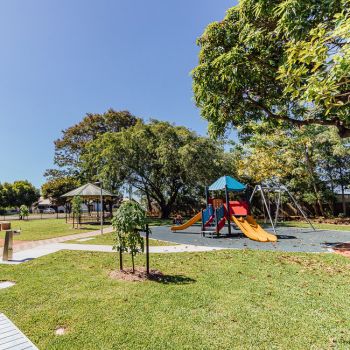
(239, 208)
(221, 223)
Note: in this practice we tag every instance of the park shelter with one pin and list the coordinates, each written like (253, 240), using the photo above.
(92, 196)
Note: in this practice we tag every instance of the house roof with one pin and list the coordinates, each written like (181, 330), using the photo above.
(44, 201)
(90, 191)
(231, 183)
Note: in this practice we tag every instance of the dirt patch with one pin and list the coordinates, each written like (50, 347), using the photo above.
(6, 284)
(60, 330)
(345, 253)
(139, 275)
(342, 249)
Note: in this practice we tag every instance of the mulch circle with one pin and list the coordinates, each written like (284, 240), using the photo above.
(140, 275)
(342, 249)
(342, 246)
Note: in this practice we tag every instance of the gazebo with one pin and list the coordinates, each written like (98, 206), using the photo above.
(95, 198)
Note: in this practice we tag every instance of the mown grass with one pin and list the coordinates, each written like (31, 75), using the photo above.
(37, 229)
(316, 225)
(238, 299)
(159, 221)
(48, 228)
(108, 239)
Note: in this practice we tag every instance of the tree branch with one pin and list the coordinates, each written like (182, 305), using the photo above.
(343, 130)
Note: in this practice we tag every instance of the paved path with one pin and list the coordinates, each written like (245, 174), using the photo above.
(38, 251)
(290, 239)
(25, 245)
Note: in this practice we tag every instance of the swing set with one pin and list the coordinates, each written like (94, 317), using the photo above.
(278, 191)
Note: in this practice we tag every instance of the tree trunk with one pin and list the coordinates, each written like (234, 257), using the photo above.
(120, 260)
(343, 199)
(149, 202)
(133, 262)
(111, 208)
(333, 201)
(310, 169)
(165, 211)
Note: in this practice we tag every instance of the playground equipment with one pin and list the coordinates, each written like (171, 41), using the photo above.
(188, 223)
(220, 211)
(279, 190)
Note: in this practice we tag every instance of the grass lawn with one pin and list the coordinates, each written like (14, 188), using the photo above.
(107, 239)
(319, 226)
(48, 228)
(159, 222)
(238, 299)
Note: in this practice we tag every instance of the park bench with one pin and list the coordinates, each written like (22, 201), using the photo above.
(11, 338)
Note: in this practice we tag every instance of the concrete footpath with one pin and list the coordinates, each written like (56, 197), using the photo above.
(42, 250)
(26, 245)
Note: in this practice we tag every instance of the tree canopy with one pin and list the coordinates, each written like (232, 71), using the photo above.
(284, 62)
(312, 161)
(69, 148)
(164, 162)
(56, 187)
(18, 193)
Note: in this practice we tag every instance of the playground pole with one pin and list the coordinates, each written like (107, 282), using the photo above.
(252, 195)
(228, 210)
(207, 194)
(278, 207)
(267, 209)
(299, 207)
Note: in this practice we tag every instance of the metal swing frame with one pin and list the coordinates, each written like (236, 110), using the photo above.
(277, 189)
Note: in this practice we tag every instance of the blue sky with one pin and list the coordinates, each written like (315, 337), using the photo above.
(63, 58)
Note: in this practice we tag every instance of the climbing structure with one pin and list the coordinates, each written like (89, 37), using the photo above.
(220, 213)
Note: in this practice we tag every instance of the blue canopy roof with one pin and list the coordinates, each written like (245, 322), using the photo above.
(231, 183)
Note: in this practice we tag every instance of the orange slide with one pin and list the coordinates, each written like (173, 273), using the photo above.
(259, 229)
(188, 223)
(253, 230)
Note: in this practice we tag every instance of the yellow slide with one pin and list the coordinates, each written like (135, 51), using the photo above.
(259, 229)
(188, 223)
(252, 230)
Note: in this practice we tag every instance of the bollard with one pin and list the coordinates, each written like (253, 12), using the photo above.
(8, 245)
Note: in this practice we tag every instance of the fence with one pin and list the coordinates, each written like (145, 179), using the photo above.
(34, 216)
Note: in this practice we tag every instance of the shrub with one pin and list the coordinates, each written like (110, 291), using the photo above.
(128, 221)
(23, 211)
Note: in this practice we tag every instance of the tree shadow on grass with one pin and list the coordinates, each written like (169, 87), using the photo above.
(170, 279)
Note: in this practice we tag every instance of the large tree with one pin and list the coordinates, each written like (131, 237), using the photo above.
(55, 188)
(309, 160)
(2, 197)
(281, 61)
(18, 193)
(70, 147)
(162, 161)
(25, 193)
